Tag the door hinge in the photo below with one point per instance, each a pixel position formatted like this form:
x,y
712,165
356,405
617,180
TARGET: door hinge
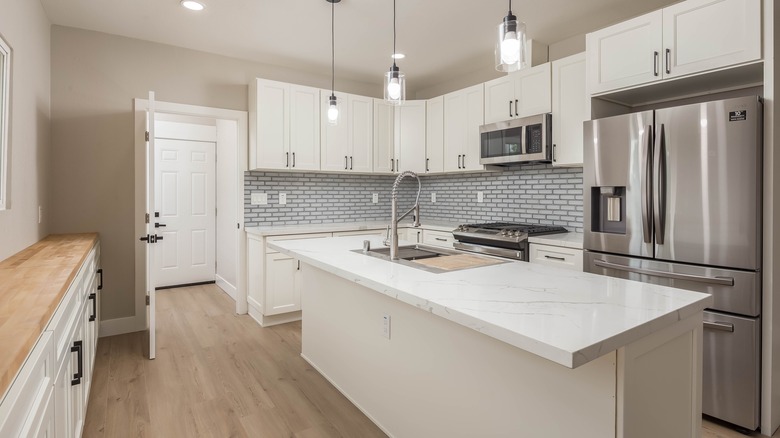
x,y
147,136
147,218
147,300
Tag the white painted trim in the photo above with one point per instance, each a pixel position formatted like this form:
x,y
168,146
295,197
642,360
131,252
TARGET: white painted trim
x,y
5,123
120,326
140,107
227,287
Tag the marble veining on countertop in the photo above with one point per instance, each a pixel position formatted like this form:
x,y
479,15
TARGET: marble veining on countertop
x,y
568,317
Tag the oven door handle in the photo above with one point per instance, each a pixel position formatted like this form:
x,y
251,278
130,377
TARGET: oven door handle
x,y
514,254
721,281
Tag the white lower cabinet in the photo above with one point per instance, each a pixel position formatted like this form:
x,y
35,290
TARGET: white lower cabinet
x,y
568,258
48,397
438,238
285,295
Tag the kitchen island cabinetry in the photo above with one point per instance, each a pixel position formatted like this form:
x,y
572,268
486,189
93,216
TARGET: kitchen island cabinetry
x,y
501,350
49,366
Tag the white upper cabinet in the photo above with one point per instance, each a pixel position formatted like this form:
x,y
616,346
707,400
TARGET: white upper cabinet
x,y
348,145
410,136
463,115
520,94
570,108
434,129
707,34
686,38
626,54
384,137
284,126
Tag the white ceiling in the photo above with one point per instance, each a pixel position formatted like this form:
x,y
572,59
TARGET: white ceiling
x,y
442,39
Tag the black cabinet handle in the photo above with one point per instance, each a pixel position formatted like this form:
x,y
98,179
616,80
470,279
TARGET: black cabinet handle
x,y
287,154
100,283
350,163
510,108
427,162
440,239
464,160
93,297
392,165
553,154
293,159
516,113
78,348
668,61
655,63
346,167
555,258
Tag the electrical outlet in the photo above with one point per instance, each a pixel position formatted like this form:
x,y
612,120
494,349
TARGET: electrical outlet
x,y
282,198
433,197
386,326
40,214
375,198
259,198
480,196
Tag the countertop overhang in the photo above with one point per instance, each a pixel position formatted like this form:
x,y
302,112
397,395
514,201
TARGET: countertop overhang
x,y
568,317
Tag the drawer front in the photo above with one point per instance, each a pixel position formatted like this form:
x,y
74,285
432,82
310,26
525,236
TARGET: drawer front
x,y
66,317
293,237
568,258
26,400
438,238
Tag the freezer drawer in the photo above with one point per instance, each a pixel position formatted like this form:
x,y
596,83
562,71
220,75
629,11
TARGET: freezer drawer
x,y
732,369
734,291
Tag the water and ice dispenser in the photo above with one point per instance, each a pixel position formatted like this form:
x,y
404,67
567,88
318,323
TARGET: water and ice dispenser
x,y
608,210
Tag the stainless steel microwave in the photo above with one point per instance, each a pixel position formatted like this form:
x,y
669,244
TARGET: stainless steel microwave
x,y
516,141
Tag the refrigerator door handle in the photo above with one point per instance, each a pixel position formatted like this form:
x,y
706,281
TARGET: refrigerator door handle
x,y
721,281
659,213
646,188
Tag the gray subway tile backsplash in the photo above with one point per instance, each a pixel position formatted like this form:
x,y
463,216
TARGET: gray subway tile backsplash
x,y
534,194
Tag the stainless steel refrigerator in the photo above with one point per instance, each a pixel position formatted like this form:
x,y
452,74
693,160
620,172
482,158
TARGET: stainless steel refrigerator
x,y
673,197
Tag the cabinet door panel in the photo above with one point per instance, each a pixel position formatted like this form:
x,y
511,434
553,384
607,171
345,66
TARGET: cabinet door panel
x,y
361,117
334,141
532,91
454,130
304,128
434,127
273,124
500,99
707,34
411,136
281,295
570,108
475,117
384,141
624,55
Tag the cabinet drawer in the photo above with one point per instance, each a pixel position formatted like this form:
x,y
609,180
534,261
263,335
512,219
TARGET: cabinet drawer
x,y
22,409
438,238
293,237
569,258
67,316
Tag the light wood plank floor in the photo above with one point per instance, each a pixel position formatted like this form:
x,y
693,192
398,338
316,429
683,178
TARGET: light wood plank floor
x,y
222,375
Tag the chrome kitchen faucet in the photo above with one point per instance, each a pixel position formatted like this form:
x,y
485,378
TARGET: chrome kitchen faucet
x,y
393,228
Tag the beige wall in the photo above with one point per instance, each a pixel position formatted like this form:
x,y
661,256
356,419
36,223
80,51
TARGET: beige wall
x,y
24,25
95,78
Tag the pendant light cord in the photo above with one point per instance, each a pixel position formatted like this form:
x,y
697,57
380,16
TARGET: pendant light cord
x,y
510,7
333,48
394,52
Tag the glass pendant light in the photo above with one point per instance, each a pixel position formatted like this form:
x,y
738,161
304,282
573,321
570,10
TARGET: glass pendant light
x,y
333,106
510,47
395,82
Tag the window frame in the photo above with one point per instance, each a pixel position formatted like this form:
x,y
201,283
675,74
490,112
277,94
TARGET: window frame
x,y
5,110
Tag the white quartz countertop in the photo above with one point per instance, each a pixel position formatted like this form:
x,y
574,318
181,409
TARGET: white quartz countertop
x,y
566,240
568,317
280,230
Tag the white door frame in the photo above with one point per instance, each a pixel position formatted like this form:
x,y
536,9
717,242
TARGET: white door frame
x,y
240,117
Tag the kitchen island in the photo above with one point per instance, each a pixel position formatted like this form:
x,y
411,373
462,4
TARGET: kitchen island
x,y
512,349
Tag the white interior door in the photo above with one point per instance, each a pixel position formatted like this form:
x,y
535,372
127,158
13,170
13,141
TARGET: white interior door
x,y
185,211
150,230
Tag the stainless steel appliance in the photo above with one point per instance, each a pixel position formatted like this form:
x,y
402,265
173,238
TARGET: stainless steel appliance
x,y
516,141
502,239
673,197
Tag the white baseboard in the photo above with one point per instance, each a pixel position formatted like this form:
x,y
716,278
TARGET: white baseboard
x,y
227,287
120,326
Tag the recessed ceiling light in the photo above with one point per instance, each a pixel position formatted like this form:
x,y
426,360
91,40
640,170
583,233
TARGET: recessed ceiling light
x,y
398,56
192,5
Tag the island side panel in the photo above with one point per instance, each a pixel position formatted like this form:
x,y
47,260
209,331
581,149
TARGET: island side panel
x,y
437,378
660,383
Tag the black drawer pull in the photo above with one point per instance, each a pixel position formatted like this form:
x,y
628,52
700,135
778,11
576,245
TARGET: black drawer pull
x,y
78,348
563,259
93,297
100,282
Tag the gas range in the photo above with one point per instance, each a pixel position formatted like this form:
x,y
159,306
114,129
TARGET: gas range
x,y
503,239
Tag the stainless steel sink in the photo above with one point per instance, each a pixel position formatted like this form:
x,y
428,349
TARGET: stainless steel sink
x,y
409,254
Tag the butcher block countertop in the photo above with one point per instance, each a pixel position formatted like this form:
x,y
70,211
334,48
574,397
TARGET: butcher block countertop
x,y
32,284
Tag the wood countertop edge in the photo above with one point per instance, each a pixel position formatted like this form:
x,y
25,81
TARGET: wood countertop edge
x,y
8,375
